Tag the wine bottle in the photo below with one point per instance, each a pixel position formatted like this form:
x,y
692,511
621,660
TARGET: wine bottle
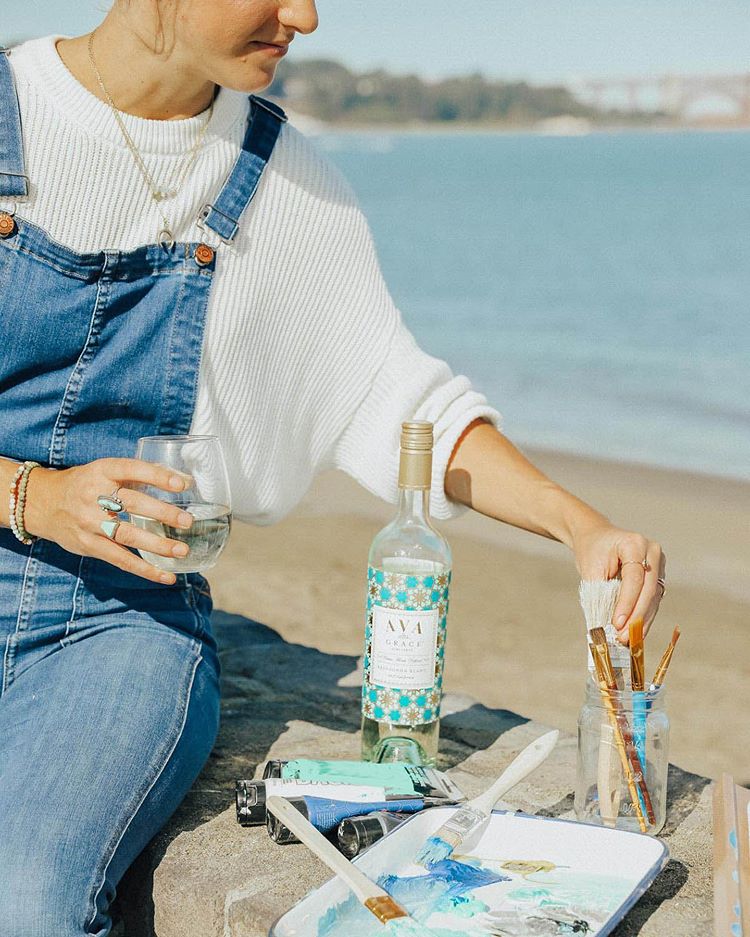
x,y
408,581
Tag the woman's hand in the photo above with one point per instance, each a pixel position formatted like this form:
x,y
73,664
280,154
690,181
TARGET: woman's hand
x,y
603,551
489,474
61,506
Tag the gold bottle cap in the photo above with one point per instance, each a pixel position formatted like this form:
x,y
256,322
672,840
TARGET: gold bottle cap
x,y
415,468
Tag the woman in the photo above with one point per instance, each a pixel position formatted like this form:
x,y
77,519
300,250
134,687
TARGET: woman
x,y
175,258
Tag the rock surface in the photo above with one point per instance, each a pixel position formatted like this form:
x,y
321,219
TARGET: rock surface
x,y
205,876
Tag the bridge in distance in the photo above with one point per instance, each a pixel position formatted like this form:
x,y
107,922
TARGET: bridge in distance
x,y
678,96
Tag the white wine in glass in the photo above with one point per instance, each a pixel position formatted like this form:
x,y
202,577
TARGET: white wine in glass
x,y
207,498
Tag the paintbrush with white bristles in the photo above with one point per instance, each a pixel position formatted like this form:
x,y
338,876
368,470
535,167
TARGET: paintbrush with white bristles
x,y
598,598
395,919
467,824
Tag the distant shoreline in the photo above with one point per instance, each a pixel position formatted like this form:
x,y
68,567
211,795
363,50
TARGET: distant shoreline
x,y
435,129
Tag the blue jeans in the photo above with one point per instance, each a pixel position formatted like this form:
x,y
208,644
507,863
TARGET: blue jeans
x,y
106,719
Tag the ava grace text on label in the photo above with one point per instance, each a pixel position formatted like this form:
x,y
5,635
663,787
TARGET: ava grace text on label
x,y
404,644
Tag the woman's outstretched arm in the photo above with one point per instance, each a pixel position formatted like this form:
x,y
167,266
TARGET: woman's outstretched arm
x,y
487,473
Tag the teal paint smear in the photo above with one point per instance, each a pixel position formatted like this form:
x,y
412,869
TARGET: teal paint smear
x,y
530,894
408,927
461,906
442,889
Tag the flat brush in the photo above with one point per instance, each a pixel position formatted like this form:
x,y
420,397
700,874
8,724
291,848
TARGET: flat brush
x,y
661,670
628,755
467,824
598,598
395,919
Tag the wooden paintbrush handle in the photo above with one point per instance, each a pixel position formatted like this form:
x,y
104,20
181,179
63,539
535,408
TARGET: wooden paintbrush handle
x,y
626,766
359,883
639,770
522,765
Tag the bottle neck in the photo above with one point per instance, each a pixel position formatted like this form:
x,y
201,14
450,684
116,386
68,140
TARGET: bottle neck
x,y
414,505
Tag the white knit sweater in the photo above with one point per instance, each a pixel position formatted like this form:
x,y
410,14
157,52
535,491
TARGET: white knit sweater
x,y
306,364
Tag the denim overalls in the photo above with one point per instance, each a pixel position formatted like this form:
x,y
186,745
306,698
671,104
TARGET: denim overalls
x,y
109,698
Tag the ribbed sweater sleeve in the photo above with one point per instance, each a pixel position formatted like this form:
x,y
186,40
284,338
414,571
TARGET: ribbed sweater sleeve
x,y
409,385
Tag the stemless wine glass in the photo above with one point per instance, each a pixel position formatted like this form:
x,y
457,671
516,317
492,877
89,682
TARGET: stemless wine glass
x,y
207,498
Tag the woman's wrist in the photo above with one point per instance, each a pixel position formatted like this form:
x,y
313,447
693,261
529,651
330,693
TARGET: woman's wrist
x,y
39,501
576,520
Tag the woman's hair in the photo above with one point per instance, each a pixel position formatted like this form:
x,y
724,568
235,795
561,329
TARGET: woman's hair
x,y
160,40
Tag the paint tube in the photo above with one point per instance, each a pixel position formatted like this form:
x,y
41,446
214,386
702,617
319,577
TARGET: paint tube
x,y
399,780
355,834
250,796
326,815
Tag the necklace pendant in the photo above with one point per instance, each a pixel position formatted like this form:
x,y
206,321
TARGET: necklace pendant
x,y
166,239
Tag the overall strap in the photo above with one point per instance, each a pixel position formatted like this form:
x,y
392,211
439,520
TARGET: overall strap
x,y
263,129
13,180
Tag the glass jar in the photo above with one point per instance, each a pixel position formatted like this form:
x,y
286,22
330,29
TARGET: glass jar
x,y
625,727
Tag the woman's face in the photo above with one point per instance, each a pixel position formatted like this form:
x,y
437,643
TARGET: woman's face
x,y
235,43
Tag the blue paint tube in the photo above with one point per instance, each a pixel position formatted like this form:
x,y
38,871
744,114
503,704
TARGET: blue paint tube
x,y
326,814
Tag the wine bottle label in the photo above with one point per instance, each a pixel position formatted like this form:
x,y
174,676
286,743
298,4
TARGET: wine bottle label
x,y
404,646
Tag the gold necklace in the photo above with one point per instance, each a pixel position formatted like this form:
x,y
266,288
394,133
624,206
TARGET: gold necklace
x,y
158,195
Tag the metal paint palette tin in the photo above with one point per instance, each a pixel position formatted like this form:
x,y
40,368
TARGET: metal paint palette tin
x,y
526,875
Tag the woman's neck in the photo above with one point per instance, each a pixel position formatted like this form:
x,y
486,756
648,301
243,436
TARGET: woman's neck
x,y
140,81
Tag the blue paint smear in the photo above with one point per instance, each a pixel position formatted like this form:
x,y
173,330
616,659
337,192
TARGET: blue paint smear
x,y
442,888
433,851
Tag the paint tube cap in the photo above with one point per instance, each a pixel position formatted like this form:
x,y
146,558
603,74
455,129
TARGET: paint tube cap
x,y
250,798
276,829
356,834
273,768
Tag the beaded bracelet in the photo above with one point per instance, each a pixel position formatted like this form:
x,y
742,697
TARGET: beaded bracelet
x,y
18,502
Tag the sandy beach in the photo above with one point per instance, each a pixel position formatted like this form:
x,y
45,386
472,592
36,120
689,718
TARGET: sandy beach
x,y
516,633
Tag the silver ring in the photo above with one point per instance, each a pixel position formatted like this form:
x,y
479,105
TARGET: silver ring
x,y
110,504
110,528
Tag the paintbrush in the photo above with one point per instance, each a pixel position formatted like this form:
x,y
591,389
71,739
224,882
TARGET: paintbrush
x,y
392,916
661,670
638,686
608,777
467,824
628,755
598,598
603,681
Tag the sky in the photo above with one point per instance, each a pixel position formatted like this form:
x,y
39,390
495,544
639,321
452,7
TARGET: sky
x,y
536,40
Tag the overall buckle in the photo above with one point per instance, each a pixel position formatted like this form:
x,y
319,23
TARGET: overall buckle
x,y
203,215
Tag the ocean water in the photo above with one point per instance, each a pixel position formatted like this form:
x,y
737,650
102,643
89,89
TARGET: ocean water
x,y
595,288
